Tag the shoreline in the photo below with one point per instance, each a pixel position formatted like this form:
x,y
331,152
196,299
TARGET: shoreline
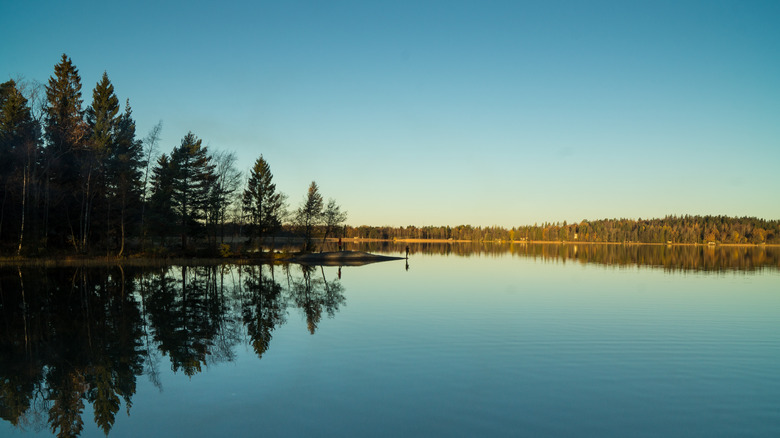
x,y
550,242
287,257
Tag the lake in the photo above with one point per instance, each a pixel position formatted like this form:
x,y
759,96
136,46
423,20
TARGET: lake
x,y
461,340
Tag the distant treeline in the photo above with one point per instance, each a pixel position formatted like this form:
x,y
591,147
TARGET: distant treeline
x,y
668,257
671,229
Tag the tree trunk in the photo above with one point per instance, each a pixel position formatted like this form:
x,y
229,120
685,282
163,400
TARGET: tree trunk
x,y
46,206
24,198
108,225
85,213
122,226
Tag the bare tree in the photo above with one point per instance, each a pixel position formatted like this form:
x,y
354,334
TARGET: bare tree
x,y
225,188
150,151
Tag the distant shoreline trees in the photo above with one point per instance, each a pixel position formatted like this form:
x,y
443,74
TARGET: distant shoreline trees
x,y
668,230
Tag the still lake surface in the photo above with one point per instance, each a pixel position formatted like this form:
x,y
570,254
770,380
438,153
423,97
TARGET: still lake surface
x,y
550,340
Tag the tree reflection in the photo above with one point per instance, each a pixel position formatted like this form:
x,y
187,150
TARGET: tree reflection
x,y
187,312
667,257
78,338
73,337
263,306
313,295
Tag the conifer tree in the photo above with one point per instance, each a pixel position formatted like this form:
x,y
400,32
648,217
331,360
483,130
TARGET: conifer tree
x,y
124,173
96,186
193,174
102,116
66,133
19,149
309,214
263,205
162,217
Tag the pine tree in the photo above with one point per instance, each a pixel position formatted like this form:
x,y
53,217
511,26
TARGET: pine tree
x,y
262,203
19,149
96,186
124,172
193,178
309,214
162,217
65,128
66,133
102,116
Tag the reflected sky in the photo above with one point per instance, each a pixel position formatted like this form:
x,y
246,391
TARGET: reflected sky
x,y
463,346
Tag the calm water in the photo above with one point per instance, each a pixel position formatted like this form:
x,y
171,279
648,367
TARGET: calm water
x,y
462,343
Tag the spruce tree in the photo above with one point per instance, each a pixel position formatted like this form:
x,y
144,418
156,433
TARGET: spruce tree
x,y
124,165
309,214
193,178
162,217
96,185
263,205
102,116
19,149
66,133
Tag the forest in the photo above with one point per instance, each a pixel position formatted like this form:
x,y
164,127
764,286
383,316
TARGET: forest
x,y
669,230
80,180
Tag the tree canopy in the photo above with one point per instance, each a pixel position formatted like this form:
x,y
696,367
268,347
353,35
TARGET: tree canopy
x,y
263,204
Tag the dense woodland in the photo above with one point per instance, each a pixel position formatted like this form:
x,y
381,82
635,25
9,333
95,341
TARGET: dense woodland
x,y
671,229
80,180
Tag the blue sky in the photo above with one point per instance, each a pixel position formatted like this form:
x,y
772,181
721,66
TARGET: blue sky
x,y
447,113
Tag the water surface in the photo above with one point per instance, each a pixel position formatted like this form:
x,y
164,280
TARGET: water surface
x,y
489,344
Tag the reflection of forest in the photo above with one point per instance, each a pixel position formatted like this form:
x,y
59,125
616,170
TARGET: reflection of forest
x,y
73,336
668,257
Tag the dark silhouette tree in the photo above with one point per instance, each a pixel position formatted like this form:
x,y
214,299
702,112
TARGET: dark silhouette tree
x,y
101,119
226,182
332,218
263,205
193,177
19,150
66,134
124,174
162,217
309,214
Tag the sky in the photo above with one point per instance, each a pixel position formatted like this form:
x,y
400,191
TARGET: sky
x,y
421,112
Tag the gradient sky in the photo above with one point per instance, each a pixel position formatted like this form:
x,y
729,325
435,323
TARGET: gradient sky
x,y
447,113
